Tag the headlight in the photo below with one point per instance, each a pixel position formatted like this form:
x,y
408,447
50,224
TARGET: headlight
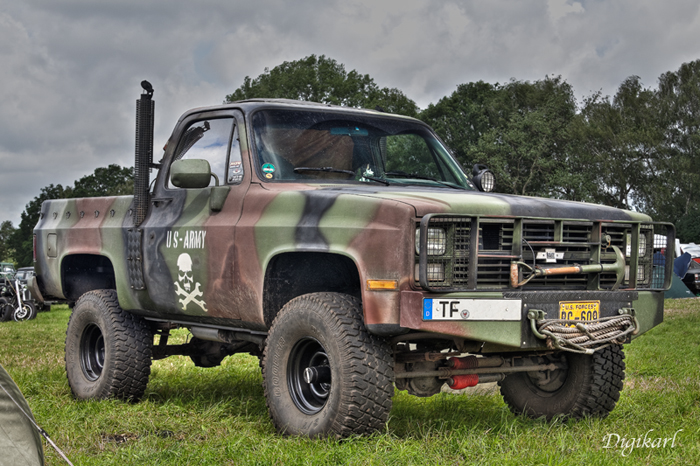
x,y
436,272
640,273
642,244
483,178
437,241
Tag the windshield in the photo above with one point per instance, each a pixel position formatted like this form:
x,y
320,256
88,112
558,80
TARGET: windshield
x,y
297,145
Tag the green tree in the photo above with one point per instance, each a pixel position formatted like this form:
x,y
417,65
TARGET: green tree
x,y
521,130
677,193
622,138
110,181
324,80
6,251
463,118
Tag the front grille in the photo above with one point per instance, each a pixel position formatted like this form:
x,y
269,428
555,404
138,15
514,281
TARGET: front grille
x,y
538,243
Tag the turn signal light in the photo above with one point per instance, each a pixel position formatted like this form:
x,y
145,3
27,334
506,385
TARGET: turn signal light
x,y
382,285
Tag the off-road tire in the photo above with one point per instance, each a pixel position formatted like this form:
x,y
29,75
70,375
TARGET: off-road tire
x,y
326,330
591,387
27,312
108,350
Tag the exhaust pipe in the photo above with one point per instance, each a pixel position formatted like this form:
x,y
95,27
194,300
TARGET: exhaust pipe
x,y
145,113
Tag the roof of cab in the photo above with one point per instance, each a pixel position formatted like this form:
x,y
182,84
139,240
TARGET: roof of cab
x,y
250,105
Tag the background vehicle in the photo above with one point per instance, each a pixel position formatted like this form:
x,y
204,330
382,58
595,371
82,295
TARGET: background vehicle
x,y
7,273
13,305
23,274
350,252
692,277
692,249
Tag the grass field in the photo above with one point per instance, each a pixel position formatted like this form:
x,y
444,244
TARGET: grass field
x,y
218,416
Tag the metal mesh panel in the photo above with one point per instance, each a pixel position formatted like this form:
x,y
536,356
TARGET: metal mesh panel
x,y
134,261
662,247
448,252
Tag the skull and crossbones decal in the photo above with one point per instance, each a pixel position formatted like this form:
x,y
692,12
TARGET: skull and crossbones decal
x,y
184,285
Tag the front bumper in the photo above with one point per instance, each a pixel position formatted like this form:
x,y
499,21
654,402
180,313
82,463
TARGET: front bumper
x,y
515,333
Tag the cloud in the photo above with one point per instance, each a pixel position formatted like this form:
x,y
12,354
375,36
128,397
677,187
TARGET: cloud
x,y
71,68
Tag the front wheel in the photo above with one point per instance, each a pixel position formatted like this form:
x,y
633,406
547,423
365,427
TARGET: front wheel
x,y
324,374
108,350
590,386
26,312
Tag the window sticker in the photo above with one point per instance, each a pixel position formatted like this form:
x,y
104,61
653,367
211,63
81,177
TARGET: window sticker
x,y
235,172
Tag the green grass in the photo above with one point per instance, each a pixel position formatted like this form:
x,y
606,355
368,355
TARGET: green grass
x,y
218,416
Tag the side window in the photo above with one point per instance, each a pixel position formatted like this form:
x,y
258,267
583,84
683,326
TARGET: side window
x,y
209,140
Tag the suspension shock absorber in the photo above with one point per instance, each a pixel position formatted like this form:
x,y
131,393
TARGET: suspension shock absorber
x,y
458,382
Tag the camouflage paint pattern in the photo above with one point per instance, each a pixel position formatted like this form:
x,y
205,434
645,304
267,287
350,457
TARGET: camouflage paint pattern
x,y
202,266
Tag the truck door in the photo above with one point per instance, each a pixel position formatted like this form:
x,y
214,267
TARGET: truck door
x,y
188,237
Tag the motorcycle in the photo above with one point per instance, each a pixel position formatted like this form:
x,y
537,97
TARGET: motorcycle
x,y
15,302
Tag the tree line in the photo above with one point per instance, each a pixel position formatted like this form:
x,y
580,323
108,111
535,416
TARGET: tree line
x,y
635,150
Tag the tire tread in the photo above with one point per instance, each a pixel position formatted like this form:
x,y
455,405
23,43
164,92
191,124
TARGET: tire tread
x,y
603,375
127,377
366,395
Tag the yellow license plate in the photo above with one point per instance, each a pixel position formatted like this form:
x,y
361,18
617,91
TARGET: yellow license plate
x,y
579,310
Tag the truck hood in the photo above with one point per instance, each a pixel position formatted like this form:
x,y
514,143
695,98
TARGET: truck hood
x,y
444,200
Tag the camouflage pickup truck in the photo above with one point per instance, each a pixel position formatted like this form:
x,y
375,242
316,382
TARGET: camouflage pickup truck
x,y
352,254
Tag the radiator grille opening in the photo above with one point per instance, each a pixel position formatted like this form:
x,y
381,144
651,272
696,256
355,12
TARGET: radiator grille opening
x,y
542,243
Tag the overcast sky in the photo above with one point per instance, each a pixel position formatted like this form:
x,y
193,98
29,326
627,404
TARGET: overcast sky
x,y
70,69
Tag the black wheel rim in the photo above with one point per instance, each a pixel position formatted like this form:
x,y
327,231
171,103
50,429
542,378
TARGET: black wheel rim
x,y
92,352
549,381
309,397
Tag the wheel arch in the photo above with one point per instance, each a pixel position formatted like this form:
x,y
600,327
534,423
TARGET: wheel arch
x,y
292,274
81,273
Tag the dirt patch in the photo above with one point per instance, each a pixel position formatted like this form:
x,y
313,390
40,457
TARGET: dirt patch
x,y
682,307
649,384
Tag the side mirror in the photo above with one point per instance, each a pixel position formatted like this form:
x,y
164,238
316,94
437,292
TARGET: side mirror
x,y
483,178
192,173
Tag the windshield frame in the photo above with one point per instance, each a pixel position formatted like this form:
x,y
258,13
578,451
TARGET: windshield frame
x,y
437,148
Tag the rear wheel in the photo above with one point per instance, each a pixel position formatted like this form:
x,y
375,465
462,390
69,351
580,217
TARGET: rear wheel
x,y
324,374
108,350
6,310
590,386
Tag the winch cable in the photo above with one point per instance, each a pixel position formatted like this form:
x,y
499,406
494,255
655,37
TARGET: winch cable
x,y
41,431
584,336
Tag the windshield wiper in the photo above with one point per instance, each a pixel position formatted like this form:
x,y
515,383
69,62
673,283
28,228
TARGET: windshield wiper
x,y
416,176
338,170
378,180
